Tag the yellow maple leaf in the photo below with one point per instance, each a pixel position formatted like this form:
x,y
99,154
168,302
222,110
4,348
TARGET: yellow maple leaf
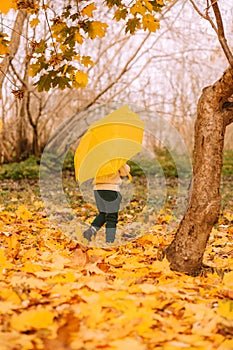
x,y
81,79
32,319
160,2
6,5
228,215
4,263
63,278
161,266
148,288
34,22
32,282
23,213
57,29
3,259
4,49
228,279
13,246
9,295
138,7
0,126
31,267
7,306
87,11
97,29
120,14
150,23
128,343
226,345
225,309
148,5
86,61
12,340
78,37
29,254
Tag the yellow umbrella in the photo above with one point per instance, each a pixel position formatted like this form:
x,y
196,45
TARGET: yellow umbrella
x,y
108,144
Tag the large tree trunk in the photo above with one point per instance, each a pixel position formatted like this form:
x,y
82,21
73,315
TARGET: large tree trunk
x,y
185,253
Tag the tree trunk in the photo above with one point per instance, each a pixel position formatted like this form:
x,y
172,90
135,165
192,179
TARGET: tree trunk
x,y
14,45
185,253
5,64
21,144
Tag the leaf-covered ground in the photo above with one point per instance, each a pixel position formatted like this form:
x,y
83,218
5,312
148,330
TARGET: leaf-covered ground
x,y
56,293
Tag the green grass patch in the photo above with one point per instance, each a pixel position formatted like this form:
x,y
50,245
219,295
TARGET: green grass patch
x,y
162,162
27,169
227,169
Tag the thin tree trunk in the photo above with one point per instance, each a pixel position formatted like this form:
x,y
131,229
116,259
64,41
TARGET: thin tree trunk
x,y
14,45
186,251
21,147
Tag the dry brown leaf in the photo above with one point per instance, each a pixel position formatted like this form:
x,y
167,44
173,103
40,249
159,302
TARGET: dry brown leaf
x,y
65,333
79,258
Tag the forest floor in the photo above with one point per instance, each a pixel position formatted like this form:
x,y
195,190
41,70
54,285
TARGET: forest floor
x,y
57,292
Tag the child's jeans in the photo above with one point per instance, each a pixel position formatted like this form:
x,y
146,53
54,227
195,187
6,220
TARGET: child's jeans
x,y
108,204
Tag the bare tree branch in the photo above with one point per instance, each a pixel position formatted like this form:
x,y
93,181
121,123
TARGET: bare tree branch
x,y
197,9
218,27
221,35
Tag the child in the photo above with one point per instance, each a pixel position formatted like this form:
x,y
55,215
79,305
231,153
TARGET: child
x,y
108,200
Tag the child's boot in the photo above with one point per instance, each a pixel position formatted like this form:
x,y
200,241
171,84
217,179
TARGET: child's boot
x,y
91,231
110,234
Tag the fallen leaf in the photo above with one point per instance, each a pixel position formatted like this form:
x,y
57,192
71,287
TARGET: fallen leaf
x,y
225,309
32,319
65,333
128,343
79,258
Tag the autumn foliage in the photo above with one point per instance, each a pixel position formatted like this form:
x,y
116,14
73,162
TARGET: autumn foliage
x,y
58,293
56,61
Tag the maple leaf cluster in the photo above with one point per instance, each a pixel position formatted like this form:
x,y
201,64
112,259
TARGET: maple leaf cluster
x,y
56,61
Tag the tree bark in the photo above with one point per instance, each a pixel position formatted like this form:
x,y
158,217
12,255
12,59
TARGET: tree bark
x,y
14,45
186,251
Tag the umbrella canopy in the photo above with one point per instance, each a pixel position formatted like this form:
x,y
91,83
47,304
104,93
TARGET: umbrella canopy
x,y
108,144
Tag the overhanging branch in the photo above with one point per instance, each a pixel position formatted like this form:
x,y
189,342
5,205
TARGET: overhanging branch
x,y
221,34
218,27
